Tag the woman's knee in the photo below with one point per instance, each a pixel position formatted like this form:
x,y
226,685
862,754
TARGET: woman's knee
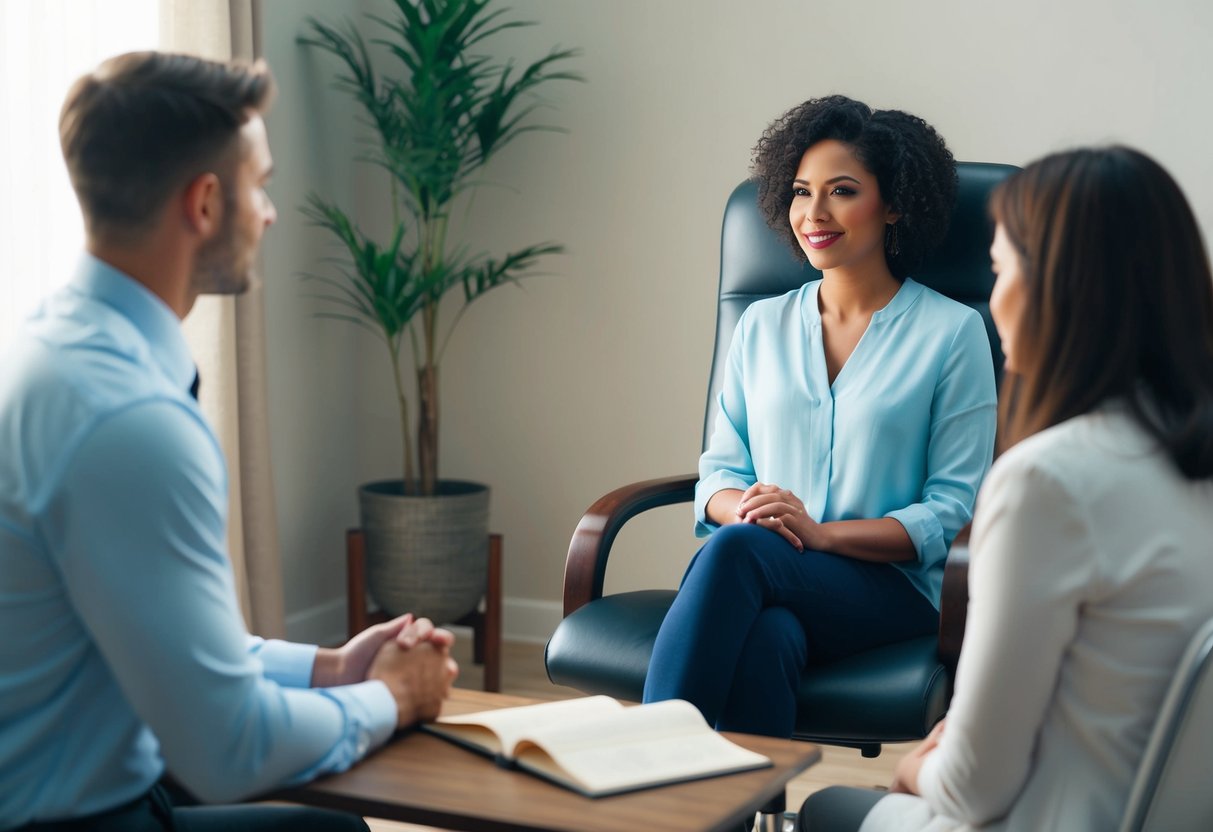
x,y
735,549
742,534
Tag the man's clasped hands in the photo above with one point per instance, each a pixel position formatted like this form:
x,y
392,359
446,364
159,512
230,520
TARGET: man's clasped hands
x,y
409,655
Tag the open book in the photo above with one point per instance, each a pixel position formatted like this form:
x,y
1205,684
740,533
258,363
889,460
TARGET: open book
x,y
596,746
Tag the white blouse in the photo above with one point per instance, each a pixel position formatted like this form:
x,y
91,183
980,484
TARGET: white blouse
x,y
1091,568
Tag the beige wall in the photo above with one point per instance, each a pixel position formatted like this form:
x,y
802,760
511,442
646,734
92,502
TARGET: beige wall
x,y
313,383
594,376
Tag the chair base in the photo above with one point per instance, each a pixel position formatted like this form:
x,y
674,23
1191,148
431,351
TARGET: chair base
x,y
485,623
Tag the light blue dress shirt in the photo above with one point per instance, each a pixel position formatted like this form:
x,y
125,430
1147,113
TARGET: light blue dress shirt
x,y
122,646
905,431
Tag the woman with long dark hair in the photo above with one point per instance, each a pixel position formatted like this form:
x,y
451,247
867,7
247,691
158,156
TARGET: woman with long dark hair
x,y
1090,550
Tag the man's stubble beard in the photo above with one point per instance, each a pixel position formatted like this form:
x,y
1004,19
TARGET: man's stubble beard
x,y
221,267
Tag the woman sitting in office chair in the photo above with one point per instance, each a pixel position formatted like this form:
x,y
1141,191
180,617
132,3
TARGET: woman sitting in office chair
x,y
1090,549
856,422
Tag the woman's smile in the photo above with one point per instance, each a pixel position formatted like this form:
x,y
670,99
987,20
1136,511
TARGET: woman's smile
x,y
822,239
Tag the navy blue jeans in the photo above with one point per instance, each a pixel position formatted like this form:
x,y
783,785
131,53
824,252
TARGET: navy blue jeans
x,y
752,612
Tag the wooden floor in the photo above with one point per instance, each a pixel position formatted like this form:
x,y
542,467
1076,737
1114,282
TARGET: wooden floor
x,y
522,674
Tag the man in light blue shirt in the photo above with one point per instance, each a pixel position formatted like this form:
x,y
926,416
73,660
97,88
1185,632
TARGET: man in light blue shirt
x,y
124,648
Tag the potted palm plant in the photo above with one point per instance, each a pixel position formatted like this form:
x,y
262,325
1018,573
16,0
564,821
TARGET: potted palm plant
x,y
438,112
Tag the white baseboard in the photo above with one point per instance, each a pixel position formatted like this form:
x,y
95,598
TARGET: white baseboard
x,y
524,619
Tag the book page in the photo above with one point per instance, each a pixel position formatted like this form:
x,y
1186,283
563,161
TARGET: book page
x,y
500,730
649,745
671,718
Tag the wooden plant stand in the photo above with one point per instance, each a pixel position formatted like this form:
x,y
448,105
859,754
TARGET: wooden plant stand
x,y
485,624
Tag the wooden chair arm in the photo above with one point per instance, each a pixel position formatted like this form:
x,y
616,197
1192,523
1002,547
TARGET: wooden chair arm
x,y
954,601
585,568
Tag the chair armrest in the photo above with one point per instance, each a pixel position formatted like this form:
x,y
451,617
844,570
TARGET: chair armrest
x,y
585,568
954,601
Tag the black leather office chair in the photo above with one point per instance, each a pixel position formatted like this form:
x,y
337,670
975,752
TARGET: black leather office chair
x,y
894,693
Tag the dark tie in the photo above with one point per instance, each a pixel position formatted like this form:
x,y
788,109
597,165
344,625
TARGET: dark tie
x,y
194,385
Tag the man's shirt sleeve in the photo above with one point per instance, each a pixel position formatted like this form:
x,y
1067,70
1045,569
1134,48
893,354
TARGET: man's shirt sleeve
x,y
285,662
136,522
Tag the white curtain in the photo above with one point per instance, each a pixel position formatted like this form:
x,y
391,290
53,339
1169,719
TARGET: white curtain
x,y
227,336
44,46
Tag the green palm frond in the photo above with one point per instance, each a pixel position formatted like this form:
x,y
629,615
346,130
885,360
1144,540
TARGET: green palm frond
x,y
438,111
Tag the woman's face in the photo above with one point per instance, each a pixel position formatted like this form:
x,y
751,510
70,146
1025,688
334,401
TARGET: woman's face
x,y
1009,297
837,211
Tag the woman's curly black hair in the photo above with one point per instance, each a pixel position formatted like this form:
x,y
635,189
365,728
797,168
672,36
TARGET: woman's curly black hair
x,y
914,170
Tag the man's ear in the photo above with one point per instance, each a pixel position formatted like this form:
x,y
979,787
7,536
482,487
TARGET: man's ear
x,y
202,205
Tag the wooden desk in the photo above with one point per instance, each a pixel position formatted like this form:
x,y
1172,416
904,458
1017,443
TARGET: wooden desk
x,y
419,778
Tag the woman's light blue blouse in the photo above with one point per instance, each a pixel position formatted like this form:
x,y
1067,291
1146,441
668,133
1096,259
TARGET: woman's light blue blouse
x,y
906,430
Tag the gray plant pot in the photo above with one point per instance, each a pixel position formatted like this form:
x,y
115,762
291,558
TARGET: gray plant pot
x,y
426,555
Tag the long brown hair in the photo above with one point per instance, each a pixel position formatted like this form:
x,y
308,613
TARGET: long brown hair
x,y
1119,300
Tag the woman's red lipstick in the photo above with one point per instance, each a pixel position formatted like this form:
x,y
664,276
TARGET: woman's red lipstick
x,y
822,239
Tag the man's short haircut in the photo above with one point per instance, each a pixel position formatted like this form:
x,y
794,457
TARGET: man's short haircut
x,y
143,124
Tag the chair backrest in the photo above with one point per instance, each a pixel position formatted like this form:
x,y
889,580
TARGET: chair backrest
x,y
1172,791
757,263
